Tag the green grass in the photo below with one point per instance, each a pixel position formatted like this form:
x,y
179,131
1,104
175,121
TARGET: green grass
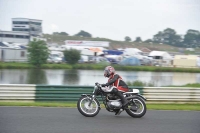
x,y
15,65
186,106
189,85
39,104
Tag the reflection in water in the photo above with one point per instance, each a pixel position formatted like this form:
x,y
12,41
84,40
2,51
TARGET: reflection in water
x,y
71,77
89,77
36,76
13,76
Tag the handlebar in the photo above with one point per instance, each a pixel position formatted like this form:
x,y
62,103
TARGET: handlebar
x,y
97,84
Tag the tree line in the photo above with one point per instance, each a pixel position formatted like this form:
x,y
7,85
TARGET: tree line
x,y
168,36
82,33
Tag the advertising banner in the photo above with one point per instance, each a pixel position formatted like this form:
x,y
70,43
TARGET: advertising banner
x,y
86,43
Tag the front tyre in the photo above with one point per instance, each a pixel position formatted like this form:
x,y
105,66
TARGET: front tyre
x,y
85,109
139,108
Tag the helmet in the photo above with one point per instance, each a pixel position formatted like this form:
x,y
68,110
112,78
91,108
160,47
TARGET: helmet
x,y
109,70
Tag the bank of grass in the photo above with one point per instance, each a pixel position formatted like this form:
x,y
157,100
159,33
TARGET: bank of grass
x,y
189,85
186,106
140,84
15,65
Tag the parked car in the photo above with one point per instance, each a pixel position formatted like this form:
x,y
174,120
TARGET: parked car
x,y
100,60
113,61
130,61
146,61
54,60
84,59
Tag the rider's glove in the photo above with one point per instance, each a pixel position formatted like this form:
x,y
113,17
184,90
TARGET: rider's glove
x,y
103,85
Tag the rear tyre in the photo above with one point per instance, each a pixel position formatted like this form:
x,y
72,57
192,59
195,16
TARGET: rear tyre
x,y
139,108
85,109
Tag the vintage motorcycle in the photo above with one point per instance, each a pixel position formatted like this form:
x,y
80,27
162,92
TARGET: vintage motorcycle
x,y
89,106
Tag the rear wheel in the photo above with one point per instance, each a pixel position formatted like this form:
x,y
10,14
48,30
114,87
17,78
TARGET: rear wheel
x,y
137,108
85,109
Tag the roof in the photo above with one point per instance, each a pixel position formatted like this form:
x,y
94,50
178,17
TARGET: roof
x,y
3,45
15,32
157,53
132,49
144,49
28,19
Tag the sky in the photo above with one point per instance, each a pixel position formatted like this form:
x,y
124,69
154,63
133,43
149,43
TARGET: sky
x,y
112,19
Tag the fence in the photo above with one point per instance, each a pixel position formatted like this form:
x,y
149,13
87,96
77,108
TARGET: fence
x,y
25,92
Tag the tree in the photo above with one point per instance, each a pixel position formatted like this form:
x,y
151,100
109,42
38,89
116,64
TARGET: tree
x,y
127,39
192,38
37,52
61,33
83,34
138,39
168,36
72,56
55,33
64,33
148,41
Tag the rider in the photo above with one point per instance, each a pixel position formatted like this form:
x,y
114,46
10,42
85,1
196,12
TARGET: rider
x,y
116,80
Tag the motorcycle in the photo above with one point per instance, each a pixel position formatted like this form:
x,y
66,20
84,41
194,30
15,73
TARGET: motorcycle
x,y
89,106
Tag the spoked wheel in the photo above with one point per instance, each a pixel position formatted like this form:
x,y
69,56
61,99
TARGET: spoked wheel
x,y
137,108
85,109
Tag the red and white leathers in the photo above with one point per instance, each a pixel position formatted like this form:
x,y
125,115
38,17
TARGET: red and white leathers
x,y
116,80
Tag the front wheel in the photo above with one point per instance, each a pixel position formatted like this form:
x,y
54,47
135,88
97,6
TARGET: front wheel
x,y
85,109
137,108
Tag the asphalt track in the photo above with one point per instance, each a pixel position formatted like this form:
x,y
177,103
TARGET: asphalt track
x,y
69,120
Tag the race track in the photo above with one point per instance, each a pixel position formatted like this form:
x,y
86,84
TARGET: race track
x,y
69,120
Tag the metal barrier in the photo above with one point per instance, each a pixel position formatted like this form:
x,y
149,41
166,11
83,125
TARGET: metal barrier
x,y
17,92
24,92
172,94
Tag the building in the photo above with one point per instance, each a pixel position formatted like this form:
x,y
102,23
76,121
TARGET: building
x,y
31,26
186,61
23,31
13,55
86,43
14,37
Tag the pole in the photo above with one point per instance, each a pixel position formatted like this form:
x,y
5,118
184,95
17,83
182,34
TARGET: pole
x,y
29,31
1,36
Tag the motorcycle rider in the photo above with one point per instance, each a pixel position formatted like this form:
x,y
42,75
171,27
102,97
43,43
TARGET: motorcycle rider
x,y
115,79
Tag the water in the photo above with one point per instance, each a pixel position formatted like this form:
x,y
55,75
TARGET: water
x,y
89,77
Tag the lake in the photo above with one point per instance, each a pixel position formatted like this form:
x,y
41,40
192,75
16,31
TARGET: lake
x,y
89,77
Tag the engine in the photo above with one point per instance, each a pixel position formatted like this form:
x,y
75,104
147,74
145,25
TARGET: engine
x,y
113,101
114,104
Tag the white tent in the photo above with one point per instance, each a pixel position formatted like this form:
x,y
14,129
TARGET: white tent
x,y
161,54
132,51
161,57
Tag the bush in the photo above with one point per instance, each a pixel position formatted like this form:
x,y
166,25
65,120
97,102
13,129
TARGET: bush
x,y
140,83
37,52
72,56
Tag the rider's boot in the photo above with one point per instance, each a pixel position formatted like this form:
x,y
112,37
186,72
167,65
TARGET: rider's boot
x,y
118,112
121,96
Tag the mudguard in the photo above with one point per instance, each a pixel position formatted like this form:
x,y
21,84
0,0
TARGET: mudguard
x,y
138,95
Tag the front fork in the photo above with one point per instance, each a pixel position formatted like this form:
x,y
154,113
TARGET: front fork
x,y
91,99
95,91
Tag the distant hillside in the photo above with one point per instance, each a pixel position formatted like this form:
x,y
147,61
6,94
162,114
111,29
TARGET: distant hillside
x,y
113,44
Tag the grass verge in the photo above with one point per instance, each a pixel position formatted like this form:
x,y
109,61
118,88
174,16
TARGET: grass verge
x,y
17,65
189,106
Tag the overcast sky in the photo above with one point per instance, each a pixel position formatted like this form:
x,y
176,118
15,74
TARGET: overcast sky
x,y
113,19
